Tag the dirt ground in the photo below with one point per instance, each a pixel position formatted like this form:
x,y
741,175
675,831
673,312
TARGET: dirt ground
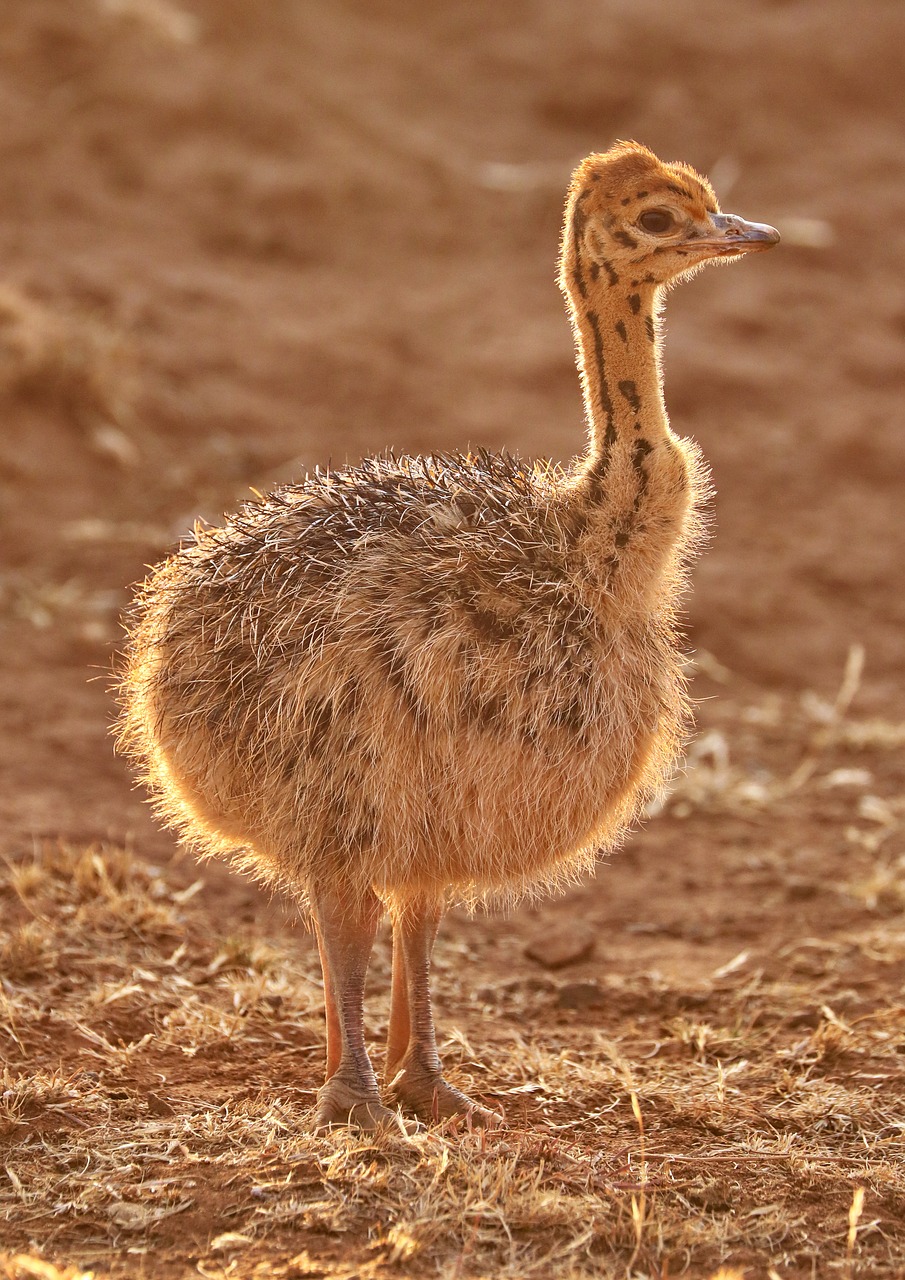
x,y
239,240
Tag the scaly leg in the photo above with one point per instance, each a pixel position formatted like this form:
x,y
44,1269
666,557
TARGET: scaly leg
x,y
345,934
334,1033
399,1032
413,1071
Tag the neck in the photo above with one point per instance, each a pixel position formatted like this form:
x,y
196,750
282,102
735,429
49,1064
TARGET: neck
x,y
619,361
633,491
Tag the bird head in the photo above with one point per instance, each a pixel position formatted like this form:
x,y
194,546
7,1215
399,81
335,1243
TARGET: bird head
x,y
629,212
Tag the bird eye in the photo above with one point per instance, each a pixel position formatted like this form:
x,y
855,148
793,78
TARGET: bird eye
x,y
656,221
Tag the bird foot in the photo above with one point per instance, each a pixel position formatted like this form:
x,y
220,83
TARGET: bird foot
x,y
339,1105
433,1100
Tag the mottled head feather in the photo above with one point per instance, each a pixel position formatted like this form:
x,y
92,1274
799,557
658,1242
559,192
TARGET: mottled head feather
x,y
609,177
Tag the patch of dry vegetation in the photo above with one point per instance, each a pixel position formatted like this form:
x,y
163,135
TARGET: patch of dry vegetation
x,y
70,358
157,1073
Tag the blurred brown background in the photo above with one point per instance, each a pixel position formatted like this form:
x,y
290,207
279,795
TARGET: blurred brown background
x,y
239,240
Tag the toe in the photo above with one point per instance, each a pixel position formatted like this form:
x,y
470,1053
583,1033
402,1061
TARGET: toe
x,y
433,1100
366,1117
338,1106
453,1104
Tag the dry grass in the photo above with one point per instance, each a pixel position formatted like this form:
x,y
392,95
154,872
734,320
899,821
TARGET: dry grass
x,y
157,1072
71,358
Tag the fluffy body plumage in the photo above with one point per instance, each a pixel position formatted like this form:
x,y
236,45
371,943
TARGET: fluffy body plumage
x,y
425,676
414,675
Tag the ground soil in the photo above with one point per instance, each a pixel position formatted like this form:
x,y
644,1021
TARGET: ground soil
x,y
240,240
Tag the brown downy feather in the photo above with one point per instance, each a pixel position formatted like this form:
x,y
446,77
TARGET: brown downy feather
x,y
446,673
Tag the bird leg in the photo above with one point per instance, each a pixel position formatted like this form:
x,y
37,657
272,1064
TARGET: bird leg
x,y
334,1031
346,927
413,1072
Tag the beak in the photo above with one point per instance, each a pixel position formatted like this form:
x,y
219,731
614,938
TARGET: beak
x,y
733,235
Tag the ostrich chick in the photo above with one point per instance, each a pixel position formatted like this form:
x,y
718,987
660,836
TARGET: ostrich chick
x,y
444,676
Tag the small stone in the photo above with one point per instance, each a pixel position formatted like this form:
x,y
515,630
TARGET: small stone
x,y
158,1106
579,995
559,947
800,889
